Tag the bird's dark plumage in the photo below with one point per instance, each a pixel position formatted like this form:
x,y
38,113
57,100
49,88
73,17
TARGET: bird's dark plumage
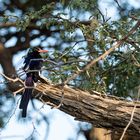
x,y
31,77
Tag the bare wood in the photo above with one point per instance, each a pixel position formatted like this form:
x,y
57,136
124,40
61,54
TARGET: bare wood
x,y
100,110
131,119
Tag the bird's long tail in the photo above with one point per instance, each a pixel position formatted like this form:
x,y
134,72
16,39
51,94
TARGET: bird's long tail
x,y
26,95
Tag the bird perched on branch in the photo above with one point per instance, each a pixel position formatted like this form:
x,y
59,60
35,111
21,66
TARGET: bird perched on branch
x,y
33,63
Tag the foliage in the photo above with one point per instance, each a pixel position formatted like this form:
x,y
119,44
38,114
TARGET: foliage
x,y
99,35
76,40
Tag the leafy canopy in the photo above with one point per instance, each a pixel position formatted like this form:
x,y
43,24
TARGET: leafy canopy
x,y
80,32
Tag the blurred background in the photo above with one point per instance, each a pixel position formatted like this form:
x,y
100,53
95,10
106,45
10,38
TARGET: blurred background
x,y
74,32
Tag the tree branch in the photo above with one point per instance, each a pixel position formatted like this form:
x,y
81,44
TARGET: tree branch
x,y
93,62
102,111
131,119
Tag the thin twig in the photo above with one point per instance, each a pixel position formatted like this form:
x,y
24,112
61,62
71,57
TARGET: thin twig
x,y
33,131
14,110
102,15
11,79
14,80
119,6
132,115
93,62
71,48
136,63
17,91
61,100
131,120
49,103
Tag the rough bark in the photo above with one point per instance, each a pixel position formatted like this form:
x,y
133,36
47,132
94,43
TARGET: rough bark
x,y
6,60
100,110
104,134
6,57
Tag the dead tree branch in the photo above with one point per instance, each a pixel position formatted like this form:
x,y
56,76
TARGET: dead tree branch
x,y
131,119
102,111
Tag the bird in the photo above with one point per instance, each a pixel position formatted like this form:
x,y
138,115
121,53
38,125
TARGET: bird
x,y
32,64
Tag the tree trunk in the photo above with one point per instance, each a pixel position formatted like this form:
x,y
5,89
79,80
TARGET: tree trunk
x,y
104,134
102,111
7,66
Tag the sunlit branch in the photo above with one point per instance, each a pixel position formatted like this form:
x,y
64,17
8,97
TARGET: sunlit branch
x,y
18,91
101,57
131,120
11,79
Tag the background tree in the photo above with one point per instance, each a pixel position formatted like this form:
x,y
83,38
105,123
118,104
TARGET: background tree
x,y
75,32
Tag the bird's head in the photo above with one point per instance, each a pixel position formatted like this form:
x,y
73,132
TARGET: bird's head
x,y
37,50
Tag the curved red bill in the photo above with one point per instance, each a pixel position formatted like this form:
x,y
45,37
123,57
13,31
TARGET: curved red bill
x,y
42,51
